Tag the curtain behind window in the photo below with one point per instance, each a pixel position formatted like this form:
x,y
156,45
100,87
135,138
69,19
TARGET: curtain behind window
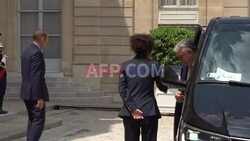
x,y
168,2
188,2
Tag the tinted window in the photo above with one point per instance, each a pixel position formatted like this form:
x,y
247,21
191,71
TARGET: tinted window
x,y
228,54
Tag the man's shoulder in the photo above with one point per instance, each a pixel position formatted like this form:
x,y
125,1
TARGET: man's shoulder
x,y
34,48
29,49
34,51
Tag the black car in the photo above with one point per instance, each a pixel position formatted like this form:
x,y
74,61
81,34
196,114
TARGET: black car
x,y
217,105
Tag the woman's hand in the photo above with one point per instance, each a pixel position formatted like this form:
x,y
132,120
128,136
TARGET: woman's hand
x,y
137,114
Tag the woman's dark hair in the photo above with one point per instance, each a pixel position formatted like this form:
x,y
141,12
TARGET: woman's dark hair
x,y
142,44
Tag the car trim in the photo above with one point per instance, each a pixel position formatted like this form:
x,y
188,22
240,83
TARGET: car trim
x,y
215,134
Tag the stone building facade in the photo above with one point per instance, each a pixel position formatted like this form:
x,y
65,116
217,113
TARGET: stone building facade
x,y
81,32
223,8
200,11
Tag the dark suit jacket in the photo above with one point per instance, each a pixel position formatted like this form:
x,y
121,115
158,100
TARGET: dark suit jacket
x,y
33,70
3,75
138,92
178,106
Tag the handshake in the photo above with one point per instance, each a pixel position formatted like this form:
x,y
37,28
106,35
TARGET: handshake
x,y
3,61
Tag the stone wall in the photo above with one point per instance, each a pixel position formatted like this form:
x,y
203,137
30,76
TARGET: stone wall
x,y
93,32
8,28
101,31
222,8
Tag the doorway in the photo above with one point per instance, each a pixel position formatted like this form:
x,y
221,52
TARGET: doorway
x,y
45,15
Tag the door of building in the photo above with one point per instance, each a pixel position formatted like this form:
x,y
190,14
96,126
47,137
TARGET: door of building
x,y
45,15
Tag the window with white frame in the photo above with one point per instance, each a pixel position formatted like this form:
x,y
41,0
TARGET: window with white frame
x,y
188,2
168,2
178,3
41,14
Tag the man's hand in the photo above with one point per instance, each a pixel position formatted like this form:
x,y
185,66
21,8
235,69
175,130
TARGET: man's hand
x,y
137,114
40,104
179,96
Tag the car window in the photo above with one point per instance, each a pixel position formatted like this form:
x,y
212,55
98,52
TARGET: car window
x,y
228,54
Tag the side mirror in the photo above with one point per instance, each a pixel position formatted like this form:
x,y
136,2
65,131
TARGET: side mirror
x,y
172,77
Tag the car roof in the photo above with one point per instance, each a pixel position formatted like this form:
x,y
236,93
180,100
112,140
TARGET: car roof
x,y
232,20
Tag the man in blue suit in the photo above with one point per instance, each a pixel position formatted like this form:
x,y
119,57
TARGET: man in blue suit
x,y
34,91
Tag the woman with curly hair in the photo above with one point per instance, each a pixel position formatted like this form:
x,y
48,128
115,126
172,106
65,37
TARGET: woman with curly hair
x,y
140,111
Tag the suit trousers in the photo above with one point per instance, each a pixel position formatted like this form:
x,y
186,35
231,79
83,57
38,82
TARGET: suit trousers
x,y
2,87
147,126
177,116
1,102
36,121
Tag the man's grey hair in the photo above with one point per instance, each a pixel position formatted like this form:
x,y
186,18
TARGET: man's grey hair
x,y
187,44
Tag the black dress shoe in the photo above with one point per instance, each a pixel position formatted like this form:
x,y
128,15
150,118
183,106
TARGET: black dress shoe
x,y
3,112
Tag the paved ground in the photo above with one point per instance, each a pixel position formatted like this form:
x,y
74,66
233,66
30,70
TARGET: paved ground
x,y
96,125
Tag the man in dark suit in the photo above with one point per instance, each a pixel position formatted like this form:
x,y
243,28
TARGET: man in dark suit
x,y
34,91
186,52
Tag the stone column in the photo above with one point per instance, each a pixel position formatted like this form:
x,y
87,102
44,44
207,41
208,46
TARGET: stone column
x,y
8,21
67,37
3,19
145,15
236,8
209,9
